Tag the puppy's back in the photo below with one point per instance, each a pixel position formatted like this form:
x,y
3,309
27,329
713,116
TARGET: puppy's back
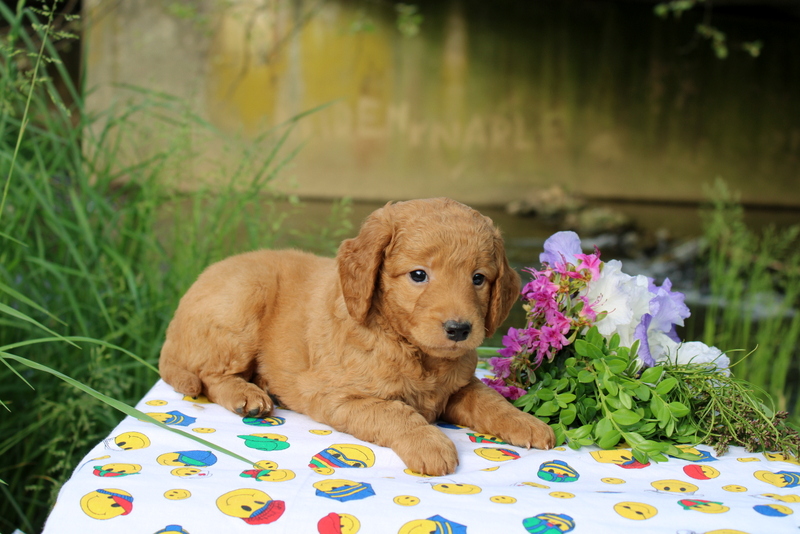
x,y
220,321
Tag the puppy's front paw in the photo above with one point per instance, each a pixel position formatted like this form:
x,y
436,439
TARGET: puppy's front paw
x,y
426,450
251,401
524,430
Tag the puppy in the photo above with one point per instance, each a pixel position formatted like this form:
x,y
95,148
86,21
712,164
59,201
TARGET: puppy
x,y
378,342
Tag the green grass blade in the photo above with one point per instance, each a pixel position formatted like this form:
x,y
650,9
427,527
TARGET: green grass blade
x,y
121,406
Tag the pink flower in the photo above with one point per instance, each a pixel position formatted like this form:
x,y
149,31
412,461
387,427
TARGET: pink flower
x,y
509,392
591,262
501,366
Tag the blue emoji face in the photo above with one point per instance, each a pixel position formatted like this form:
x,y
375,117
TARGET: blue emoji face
x,y
557,471
548,524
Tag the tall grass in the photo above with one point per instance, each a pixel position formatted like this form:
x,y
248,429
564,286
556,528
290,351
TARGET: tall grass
x,y
754,282
97,245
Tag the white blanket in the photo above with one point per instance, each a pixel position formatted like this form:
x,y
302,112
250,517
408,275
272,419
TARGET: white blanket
x,y
305,477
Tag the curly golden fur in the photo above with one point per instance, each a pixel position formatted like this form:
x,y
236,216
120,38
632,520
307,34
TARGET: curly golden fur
x,y
378,342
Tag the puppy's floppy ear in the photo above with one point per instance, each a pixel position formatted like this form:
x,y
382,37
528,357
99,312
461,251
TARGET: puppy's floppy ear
x,y
359,261
505,289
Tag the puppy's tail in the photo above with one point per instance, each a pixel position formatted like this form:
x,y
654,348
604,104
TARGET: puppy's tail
x,y
180,378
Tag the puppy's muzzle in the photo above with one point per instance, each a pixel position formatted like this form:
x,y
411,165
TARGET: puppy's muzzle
x,y
457,331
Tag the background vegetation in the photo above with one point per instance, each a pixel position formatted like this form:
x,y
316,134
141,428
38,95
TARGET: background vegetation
x,y
102,254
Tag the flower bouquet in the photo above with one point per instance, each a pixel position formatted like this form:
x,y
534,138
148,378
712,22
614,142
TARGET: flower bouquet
x,y
599,359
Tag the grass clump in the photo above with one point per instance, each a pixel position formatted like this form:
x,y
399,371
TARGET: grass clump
x,y
753,279
97,247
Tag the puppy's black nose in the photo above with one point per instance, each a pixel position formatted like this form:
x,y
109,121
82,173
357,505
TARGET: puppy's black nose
x,y
457,331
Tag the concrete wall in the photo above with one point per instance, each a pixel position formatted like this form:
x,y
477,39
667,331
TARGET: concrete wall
x,y
489,102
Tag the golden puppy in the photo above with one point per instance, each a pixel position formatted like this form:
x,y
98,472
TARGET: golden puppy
x,y
378,342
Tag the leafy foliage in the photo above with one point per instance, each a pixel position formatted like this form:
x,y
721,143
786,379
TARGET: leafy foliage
x,y
593,394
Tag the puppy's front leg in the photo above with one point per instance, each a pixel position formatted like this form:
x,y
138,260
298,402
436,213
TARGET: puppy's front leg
x,y
391,423
484,410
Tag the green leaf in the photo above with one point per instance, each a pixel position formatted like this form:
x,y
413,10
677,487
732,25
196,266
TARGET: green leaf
x,y
603,427
609,440
652,375
580,432
547,408
617,365
545,394
643,392
585,376
678,409
633,438
565,397
585,348
625,400
613,343
666,385
626,417
567,415
609,382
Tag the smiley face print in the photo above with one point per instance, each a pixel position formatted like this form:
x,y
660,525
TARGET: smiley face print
x,y
707,507
457,489
674,486
497,454
127,441
638,511
107,503
340,455
334,523
116,470
253,506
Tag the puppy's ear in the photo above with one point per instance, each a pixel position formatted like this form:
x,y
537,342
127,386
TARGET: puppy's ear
x,y
505,290
359,261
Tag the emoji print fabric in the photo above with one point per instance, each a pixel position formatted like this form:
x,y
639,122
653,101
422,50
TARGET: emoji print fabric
x,y
295,475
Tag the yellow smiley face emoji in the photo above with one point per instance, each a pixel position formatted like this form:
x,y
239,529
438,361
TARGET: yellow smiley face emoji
x,y
535,485
200,399
457,489
320,432
497,454
177,494
735,488
778,457
674,486
156,403
782,498
748,459
783,479
253,505
503,499
189,472
107,503
406,500
637,511
561,495
612,480
203,430
128,441
700,471
415,474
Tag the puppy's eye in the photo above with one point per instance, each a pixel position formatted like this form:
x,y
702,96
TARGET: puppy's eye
x,y
418,276
478,279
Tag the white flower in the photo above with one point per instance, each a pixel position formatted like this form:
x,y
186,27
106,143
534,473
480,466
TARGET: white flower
x,y
691,352
625,298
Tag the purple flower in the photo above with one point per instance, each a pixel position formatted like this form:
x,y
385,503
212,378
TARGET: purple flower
x,y
501,366
515,342
561,248
640,333
667,310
